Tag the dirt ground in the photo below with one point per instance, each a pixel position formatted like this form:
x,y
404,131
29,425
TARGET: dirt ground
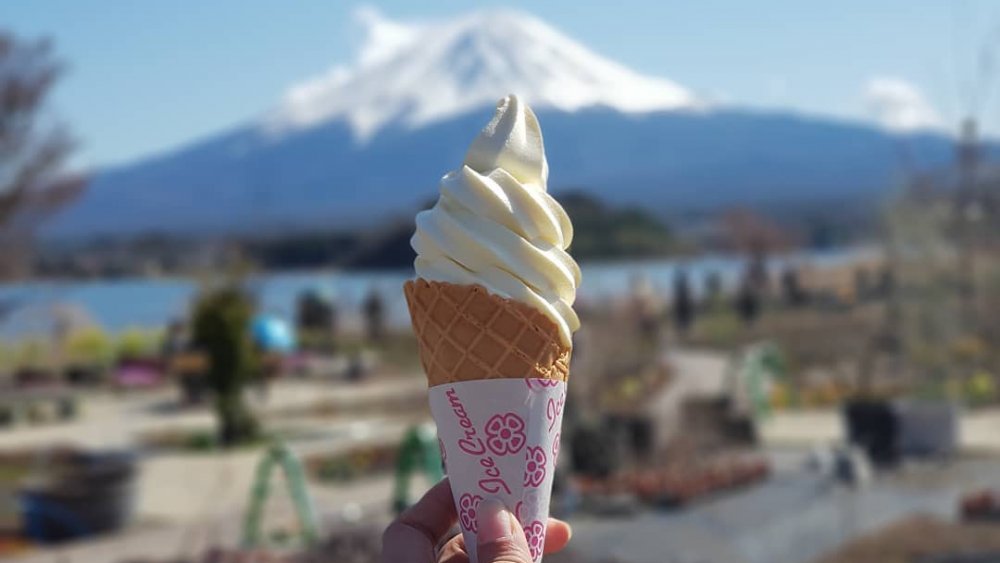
x,y
921,538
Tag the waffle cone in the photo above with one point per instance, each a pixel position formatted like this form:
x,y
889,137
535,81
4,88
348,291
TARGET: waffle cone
x,y
467,333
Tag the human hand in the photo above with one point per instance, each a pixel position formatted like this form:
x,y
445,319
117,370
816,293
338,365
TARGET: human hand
x,y
414,536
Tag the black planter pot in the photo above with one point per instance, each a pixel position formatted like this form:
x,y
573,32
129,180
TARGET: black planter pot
x,y
594,451
928,429
93,494
873,425
84,375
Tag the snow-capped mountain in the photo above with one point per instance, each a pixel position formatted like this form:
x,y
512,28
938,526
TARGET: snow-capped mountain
x,y
422,73
372,138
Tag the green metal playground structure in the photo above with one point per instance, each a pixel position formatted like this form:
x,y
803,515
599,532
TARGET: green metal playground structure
x,y
418,452
278,455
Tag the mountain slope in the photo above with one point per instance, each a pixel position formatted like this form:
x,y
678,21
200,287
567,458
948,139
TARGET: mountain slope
x,y
362,142
669,162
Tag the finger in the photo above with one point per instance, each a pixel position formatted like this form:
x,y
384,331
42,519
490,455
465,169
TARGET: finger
x,y
500,537
415,533
454,551
557,535
434,514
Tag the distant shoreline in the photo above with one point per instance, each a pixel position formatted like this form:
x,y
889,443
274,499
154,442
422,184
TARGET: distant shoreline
x,y
867,248
121,303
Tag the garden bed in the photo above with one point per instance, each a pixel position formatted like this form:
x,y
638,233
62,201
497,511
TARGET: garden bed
x,y
359,461
196,441
678,484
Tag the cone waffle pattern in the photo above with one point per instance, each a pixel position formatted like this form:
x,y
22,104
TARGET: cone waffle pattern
x,y
467,333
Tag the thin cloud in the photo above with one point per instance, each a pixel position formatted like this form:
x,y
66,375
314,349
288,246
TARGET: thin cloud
x,y
304,103
898,105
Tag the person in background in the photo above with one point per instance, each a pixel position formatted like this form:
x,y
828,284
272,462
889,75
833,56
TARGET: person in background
x,y
791,287
374,311
713,289
683,306
748,303
316,319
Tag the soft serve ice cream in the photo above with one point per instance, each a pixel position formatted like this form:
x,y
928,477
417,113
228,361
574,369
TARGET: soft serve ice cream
x,y
495,224
492,313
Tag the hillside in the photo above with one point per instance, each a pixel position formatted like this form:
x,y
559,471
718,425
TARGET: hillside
x,y
356,145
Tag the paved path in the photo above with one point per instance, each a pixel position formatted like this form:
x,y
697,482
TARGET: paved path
x,y
188,501
185,486
149,540
116,420
979,430
793,518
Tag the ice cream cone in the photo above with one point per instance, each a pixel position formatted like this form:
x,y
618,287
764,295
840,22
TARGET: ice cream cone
x,y
467,333
492,311
497,371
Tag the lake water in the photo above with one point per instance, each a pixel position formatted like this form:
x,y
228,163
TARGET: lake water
x,y
119,304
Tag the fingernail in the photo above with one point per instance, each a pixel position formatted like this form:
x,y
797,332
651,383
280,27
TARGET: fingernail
x,y
494,522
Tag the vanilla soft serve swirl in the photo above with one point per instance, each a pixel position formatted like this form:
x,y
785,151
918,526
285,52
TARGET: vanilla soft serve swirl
x,y
495,225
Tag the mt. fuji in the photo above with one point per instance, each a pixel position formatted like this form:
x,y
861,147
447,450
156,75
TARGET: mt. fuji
x,y
361,142
420,74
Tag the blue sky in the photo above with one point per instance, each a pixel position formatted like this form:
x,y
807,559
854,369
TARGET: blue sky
x,y
148,76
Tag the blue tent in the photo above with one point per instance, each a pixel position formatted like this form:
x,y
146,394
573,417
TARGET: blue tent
x,y
273,334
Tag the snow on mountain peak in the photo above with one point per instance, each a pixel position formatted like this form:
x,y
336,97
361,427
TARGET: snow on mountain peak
x,y
417,73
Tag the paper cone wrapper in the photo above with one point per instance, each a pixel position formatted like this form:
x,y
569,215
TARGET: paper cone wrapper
x,y
500,440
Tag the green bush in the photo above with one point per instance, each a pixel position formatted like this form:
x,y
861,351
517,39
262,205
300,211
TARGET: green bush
x,y
8,357
200,441
221,329
137,342
90,346
981,389
605,232
32,354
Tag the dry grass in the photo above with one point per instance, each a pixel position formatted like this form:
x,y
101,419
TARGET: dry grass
x,y
918,537
809,336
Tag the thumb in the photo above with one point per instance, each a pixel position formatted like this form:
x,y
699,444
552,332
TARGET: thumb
x,y
500,538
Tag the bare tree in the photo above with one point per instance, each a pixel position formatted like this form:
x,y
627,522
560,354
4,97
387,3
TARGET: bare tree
x,y
751,233
756,237
33,148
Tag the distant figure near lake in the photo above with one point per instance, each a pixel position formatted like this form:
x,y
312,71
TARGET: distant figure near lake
x,y
374,310
683,306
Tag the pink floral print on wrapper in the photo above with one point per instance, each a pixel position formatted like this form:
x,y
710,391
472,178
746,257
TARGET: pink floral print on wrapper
x,y
505,433
538,384
534,467
553,409
467,506
535,532
555,449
